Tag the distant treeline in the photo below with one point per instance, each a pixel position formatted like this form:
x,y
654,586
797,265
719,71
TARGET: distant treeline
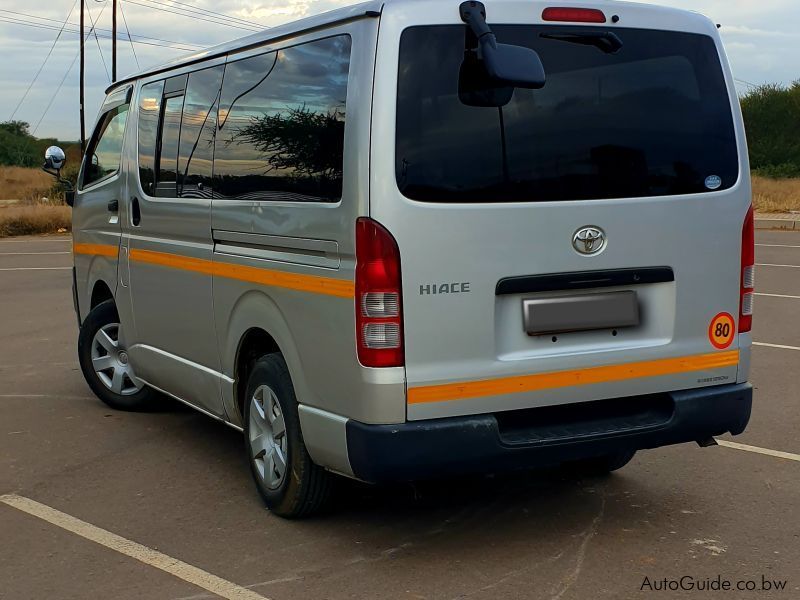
x,y
19,148
771,116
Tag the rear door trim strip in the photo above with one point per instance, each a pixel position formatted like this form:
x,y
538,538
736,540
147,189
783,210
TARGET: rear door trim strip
x,y
582,280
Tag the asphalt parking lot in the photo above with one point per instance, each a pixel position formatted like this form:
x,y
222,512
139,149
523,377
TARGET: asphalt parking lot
x,y
81,483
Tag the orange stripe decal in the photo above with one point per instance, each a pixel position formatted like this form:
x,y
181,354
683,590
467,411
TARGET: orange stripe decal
x,y
293,281
577,377
96,249
174,261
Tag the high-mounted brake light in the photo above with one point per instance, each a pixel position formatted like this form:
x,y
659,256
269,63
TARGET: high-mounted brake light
x,y
574,15
379,313
748,285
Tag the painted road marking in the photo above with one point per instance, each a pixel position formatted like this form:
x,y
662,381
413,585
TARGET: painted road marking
x,y
757,450
771,265
779,296
61,241
779,346
776,246
30,253
148,556
36,269
60,397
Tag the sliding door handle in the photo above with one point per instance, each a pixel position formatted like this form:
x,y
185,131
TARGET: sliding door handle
x,y
136,214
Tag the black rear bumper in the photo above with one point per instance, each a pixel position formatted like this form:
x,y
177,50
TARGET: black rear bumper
x,y
544,436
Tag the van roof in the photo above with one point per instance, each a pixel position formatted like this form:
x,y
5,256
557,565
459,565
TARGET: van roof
x,y
668,17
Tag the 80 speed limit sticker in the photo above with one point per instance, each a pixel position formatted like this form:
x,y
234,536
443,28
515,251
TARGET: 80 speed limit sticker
x,y
721,331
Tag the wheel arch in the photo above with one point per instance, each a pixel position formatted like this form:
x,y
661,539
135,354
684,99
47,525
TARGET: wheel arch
x,y
253,327
101,292
255,343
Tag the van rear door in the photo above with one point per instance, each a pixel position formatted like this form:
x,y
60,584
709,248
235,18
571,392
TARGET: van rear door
x,y
624,175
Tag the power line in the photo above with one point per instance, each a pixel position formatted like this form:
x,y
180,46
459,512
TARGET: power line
x,y
44,62
124,20
206,12
213,13
63,79
172,45
102,58
143,37
194,16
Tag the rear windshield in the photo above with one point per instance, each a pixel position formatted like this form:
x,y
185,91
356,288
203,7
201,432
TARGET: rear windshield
x,y
652,119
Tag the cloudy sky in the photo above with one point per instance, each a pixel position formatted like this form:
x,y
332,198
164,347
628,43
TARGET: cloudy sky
x,y
761,37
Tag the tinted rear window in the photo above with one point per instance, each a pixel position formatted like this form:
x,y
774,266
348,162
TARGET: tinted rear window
x,y
653,119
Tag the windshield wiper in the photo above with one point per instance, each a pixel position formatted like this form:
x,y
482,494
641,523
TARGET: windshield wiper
x,y
606,41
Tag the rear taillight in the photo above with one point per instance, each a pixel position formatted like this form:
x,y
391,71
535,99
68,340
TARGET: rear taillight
x,y
574,15
748,274
379,311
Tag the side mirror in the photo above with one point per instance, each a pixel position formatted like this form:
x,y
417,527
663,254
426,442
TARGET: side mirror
x,y
514,66
54,159
491,71
477,88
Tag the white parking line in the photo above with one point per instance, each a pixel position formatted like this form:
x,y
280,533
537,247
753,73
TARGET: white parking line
x,y
36,269
771,265
64,241
779,346
776,246
148,556
30,253
30,396
757,450
779,296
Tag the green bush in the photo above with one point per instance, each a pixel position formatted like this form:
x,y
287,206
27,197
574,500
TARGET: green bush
x,y
772,119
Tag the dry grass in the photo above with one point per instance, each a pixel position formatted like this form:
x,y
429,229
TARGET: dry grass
x,y
30,216
776,195
24,184
29,220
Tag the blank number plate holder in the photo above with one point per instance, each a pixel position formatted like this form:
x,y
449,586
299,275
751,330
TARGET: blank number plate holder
x,y
586,312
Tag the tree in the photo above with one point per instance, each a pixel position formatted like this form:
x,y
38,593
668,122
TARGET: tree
x,y
772,119
308,143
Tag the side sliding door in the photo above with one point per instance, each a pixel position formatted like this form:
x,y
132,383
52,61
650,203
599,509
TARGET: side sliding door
x,y
168,234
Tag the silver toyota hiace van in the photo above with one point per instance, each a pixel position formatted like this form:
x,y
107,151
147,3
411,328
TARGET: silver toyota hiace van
x,y
415,238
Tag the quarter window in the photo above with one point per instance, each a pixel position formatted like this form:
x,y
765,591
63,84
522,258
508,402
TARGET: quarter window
x,y
282,123
104,154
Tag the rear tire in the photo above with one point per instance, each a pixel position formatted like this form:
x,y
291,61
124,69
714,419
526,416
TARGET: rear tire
x,y
105,364
290,483
600,465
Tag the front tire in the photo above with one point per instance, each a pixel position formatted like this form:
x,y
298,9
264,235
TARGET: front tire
x,y
105,364
289,482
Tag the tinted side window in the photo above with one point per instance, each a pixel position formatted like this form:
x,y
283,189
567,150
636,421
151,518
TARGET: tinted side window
x,y
168,148
281,124
104,154
198,126
149,113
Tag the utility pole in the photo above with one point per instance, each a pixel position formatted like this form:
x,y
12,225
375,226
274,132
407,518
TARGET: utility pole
x,y
114,41
83,123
